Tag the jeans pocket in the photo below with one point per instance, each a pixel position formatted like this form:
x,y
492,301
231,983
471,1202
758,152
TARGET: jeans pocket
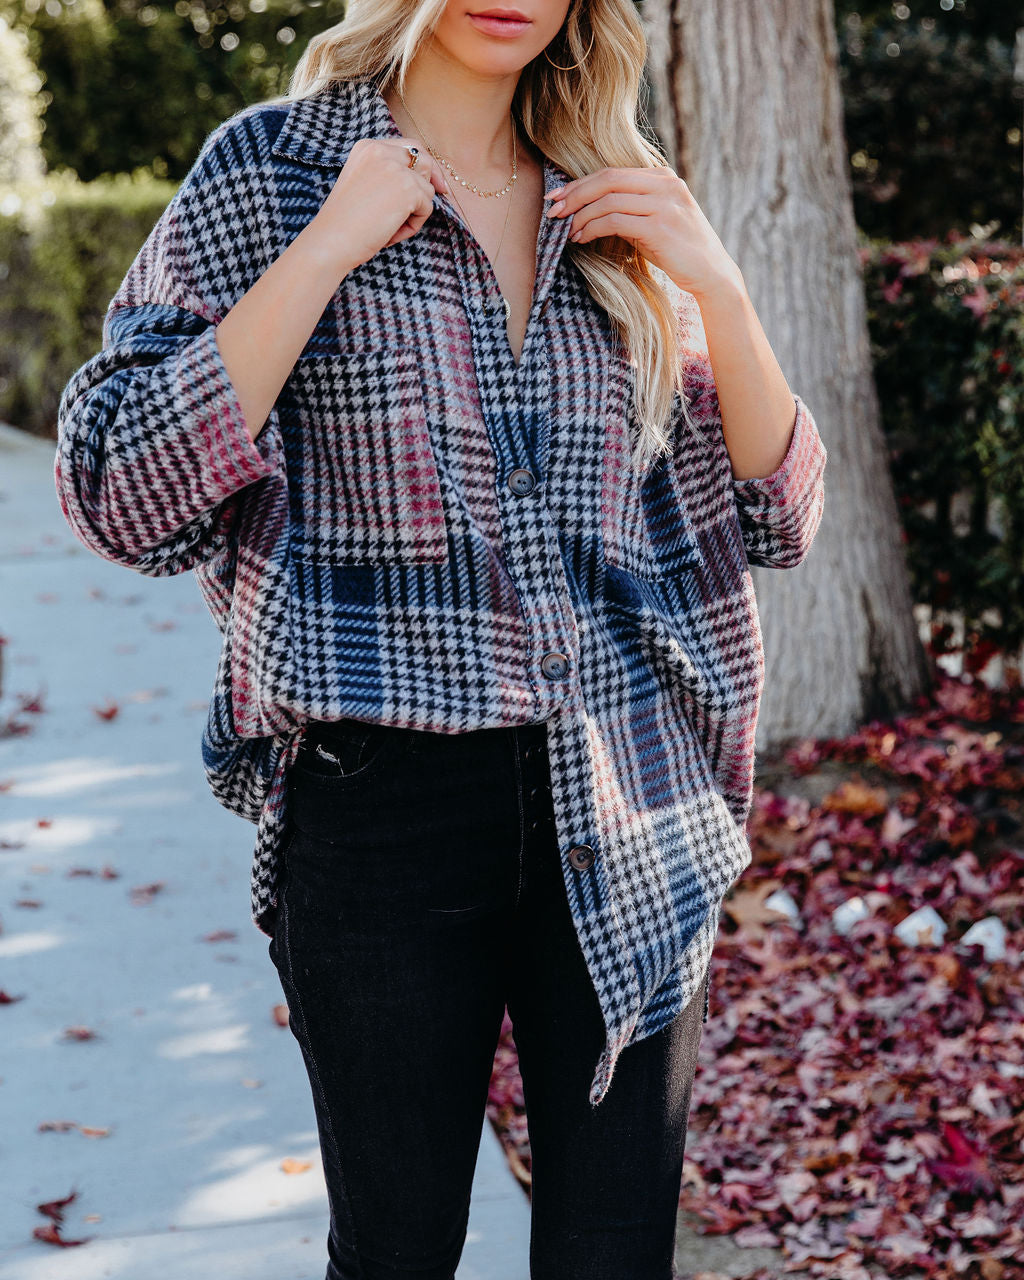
x,y
337,752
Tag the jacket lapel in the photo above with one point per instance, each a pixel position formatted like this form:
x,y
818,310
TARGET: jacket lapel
x,y
321,129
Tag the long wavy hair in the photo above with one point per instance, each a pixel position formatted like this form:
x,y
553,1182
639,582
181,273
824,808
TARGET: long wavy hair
x,y
582,120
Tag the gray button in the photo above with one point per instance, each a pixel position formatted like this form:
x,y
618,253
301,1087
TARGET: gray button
x,y
522,481
554,665
581,856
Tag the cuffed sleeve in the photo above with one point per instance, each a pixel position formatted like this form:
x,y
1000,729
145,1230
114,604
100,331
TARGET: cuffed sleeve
x,y
780,513
153,450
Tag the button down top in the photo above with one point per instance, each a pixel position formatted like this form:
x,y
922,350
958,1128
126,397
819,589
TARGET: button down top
x,y
363,558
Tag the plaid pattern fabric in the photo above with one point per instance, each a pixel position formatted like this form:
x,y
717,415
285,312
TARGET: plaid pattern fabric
x,y
366,556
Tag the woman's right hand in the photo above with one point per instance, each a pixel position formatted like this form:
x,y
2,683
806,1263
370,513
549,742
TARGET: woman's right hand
x,y
377,200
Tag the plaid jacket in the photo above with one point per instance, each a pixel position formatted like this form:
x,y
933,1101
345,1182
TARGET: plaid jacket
x,y
378,552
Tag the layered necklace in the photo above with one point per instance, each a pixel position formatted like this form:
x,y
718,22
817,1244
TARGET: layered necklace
x,y
508,189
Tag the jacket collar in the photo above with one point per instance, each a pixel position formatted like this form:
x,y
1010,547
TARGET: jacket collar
x,y
321,129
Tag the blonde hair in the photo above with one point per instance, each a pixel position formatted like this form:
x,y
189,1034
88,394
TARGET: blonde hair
x,y
582,120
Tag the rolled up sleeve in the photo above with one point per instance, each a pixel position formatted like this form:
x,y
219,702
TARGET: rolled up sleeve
x,y
153,450
780,513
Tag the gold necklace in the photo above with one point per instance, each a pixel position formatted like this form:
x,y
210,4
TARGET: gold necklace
x,y
509,185
458,202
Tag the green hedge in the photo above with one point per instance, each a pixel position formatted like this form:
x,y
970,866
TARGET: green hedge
x,y
947,321
64,248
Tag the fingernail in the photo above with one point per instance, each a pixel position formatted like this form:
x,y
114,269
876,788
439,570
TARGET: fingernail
x,y
555,191
556,208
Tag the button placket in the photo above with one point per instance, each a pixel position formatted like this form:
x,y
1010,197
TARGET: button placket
x,y
509,391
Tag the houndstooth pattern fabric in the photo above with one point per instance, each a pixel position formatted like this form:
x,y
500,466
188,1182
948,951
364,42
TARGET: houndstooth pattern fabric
x,y
365,557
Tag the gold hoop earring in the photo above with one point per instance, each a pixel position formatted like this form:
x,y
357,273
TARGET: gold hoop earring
x,y
575,64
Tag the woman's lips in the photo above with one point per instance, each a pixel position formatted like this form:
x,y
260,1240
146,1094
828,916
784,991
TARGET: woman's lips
x,y
498,26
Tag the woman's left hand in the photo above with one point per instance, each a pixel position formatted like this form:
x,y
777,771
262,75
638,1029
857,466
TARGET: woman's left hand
x,y
653,210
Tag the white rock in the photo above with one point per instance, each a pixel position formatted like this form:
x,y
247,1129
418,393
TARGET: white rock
x,y
780,900
991,933
922,928
848,913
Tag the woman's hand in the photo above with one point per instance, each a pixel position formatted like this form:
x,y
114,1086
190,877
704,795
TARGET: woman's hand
x,y
652,209
376,201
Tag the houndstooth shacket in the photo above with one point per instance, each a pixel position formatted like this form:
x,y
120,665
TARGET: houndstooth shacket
x,y
368,557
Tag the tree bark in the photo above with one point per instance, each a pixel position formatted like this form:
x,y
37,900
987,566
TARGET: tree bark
x,y
747,103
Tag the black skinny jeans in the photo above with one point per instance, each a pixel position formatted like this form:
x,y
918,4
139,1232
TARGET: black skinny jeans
x,y
421,892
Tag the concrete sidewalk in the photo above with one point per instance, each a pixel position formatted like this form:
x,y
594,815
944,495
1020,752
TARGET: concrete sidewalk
x,y
203,1094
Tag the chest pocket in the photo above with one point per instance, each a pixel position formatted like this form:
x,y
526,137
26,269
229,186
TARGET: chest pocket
x,y
645,526
368,489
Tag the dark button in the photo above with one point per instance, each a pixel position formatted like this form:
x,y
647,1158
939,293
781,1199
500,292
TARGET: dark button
x,y
522,481
581,856
554,665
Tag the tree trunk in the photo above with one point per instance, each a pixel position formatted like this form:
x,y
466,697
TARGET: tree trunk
x,y
746,102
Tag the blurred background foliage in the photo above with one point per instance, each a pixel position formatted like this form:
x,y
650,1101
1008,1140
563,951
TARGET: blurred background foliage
x,y
933,115
946,321
142,82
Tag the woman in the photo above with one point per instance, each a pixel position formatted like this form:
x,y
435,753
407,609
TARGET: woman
x,y
436,375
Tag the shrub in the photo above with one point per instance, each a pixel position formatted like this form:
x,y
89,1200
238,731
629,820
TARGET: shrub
x,y
947,322
64,248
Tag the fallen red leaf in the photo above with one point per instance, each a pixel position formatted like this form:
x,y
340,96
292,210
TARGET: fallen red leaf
x,y
969,1170
143,893
55,1208
79,1033
50,1234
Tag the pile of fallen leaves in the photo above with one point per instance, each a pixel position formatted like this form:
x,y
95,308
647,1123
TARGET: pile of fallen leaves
x,y
859,1100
